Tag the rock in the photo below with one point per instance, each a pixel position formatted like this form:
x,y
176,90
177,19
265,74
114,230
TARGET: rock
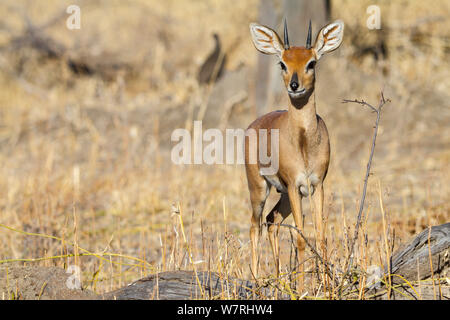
x,y
39,283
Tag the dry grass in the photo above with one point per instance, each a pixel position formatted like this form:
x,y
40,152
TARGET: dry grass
x,y
87,161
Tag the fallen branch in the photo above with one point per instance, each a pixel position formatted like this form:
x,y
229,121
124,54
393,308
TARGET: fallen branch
x,y
419,269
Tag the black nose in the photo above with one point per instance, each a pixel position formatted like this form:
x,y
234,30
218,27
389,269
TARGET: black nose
x,y
294,82
294,86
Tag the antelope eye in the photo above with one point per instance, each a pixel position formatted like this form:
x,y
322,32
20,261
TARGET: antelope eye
x,y
311,65
283,66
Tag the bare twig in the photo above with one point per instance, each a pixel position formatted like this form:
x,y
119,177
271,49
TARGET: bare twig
x,y
383,101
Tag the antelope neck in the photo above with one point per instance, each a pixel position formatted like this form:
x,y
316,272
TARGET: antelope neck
x,y
302,117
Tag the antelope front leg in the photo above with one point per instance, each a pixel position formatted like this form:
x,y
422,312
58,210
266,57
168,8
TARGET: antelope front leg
x,y
295,201
318,204
258,196
273,219
276,216
320,229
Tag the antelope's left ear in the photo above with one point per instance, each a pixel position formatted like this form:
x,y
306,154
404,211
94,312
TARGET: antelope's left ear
x,y
266,40
329,38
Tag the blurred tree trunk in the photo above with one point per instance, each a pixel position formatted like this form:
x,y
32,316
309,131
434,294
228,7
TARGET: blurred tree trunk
x,y
268,84
267,16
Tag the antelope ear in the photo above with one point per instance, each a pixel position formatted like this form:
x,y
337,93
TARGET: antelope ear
x,y
329,38
266,40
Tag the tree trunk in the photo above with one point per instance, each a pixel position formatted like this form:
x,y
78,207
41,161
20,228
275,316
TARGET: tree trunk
x,y
188,285
424,263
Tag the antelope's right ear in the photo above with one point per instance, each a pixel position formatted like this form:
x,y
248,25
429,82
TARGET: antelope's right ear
x,y
266,40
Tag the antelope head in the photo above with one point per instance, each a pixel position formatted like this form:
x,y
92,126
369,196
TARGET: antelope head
x,y
298,63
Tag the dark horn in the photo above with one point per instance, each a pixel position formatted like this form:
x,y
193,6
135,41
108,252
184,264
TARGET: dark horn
x,y
286,37
308,39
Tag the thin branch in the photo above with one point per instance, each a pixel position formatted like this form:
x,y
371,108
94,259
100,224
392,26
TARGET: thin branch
x,y
313,249
383,101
